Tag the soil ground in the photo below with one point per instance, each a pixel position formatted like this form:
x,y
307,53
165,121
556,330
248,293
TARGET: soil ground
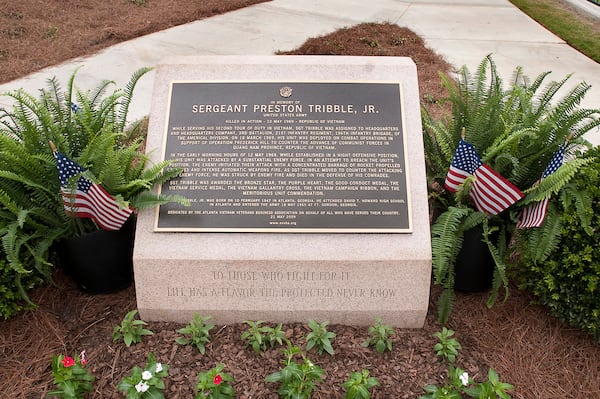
x,y
540,356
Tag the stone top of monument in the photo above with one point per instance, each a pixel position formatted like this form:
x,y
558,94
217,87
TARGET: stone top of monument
x,y
169,266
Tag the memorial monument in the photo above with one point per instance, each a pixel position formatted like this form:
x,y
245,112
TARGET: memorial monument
x,y
307,185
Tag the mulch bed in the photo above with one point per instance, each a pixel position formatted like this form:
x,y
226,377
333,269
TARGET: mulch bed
x,y
541,356
37,34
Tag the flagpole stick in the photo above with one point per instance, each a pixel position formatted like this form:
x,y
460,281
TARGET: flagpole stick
x,y
463,133
569,137
52,146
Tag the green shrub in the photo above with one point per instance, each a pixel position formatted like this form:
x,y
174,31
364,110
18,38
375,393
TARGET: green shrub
x,y
567,281
11,299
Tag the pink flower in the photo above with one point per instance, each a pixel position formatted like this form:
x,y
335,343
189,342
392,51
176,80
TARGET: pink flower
x,y
83,359
218,379
68,361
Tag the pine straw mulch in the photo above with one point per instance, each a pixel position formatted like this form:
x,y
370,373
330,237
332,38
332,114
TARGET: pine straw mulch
x,y
36,34
542,357
539,355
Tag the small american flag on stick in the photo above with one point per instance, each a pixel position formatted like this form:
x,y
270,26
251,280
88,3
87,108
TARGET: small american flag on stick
x,y
87,199
490,192
534,214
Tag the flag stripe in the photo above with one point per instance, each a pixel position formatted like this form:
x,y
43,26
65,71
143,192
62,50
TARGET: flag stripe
x,y
490,192
108,216
455,178
503,188
110,213
88,199
534,214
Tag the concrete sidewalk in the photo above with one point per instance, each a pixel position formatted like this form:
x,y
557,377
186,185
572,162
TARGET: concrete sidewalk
x,y
463,32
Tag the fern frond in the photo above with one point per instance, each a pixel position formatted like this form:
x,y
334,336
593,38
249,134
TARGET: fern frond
x,y
11,244
4,174
555,182
446,241
161,173
546,97
542,241
499,279
123,110
149,199
95,96
445,305
68,97
537,83
53,100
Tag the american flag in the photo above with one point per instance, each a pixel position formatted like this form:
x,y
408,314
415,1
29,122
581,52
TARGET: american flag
x,y
534,214
490,192
88,200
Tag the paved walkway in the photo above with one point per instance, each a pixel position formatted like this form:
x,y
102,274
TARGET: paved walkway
x,y
463,31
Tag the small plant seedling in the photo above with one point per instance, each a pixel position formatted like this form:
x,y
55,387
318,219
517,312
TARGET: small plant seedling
x,y
262,337
131,330
380,336
493,388
255,335
275,336
460,383
296,380
358,385
448,347
319,338
197,333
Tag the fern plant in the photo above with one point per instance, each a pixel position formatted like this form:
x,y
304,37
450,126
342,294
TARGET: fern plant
x,y
89,127
516,131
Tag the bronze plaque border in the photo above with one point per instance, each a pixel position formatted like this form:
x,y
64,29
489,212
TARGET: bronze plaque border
x,y
409,229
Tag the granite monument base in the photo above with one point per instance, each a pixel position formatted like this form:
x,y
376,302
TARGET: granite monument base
x,y
347,278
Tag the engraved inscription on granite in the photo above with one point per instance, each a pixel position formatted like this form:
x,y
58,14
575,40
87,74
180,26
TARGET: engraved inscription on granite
x,y
287,156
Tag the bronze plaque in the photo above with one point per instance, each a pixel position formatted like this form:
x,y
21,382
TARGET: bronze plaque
x,y
299,157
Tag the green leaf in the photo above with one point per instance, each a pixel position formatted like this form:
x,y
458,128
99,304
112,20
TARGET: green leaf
x,y
327,347
274,377
154,393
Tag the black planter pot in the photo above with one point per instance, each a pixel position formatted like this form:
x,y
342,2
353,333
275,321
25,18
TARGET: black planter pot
x,y
100,262
474,266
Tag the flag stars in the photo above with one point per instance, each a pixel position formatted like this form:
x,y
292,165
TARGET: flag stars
x,y
89,200
67,169
467,158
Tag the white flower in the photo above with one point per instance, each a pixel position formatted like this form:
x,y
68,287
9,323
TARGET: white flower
x,y
464,378
158,367
142,386
146,375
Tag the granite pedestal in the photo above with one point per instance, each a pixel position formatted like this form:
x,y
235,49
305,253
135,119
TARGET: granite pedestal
x,y
347,278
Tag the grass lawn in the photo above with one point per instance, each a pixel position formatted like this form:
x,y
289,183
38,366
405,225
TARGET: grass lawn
x,y
578,31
